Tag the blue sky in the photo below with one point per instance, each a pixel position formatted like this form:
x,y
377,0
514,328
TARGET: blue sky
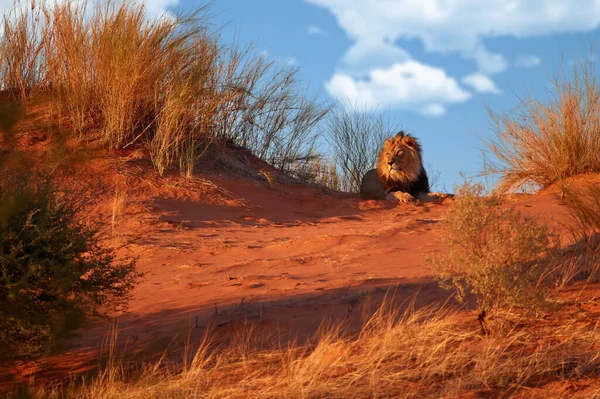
x,y
432,64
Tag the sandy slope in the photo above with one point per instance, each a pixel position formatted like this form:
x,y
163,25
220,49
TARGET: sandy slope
x,y
223,251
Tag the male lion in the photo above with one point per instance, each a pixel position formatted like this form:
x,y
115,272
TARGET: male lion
x,y
400,173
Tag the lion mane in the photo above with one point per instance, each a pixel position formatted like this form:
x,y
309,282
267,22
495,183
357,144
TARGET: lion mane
x,y
399,169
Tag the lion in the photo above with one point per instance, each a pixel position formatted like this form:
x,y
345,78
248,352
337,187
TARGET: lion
x,y
399,173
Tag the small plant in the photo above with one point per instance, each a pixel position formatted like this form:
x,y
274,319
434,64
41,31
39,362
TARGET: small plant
x,y
494,252
544,143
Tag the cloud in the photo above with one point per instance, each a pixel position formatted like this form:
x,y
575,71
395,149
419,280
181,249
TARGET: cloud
x,y
480,83
460,26
527,61
376,28
488,62
366,55
160,8
409,86
315,30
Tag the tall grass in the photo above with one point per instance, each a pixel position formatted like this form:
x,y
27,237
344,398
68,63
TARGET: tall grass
x,y
21,49
544,142
167,84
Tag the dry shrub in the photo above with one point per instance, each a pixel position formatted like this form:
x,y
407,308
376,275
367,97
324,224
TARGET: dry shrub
x,y
165,83
493,252
545,142
356,137
269,115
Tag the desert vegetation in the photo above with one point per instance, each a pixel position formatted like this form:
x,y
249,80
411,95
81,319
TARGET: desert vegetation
x,y
166,85
545,142
356,137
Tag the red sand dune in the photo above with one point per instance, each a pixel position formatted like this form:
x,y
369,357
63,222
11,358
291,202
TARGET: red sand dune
x,y
222,250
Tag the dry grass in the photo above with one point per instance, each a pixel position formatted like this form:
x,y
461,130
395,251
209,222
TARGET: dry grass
x,y
167,84
545,142
431,352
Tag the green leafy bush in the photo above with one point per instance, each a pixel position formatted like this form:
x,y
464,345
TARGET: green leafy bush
x,y
51,264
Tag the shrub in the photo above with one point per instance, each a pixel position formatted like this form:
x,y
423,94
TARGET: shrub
x,y
52,265
356,137
545,142
494,252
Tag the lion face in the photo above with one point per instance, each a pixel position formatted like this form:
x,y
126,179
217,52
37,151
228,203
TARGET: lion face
x,y
400,158
400,153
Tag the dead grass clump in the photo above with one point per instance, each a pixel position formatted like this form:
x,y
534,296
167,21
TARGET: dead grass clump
x,y
494,252
546,142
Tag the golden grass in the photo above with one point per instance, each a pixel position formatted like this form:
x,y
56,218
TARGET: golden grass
x,y
167,84
545,142
431,352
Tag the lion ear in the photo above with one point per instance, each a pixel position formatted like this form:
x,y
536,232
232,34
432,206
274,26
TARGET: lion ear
x,y
410,142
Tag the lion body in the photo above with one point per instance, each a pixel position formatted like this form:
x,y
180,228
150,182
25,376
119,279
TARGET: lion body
x,y
399,174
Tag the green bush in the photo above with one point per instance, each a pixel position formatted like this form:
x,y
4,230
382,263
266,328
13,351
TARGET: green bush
x,y
51,264
494,252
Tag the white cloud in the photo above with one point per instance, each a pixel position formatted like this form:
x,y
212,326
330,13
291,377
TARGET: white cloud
x,y
460,26
527,61
486,61
160,7
409,85
366,55
315,30
376,28
434,109
480,83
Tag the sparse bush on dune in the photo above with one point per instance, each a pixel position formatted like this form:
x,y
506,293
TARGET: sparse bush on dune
x,y
167,84
356,137
493,251
545,142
